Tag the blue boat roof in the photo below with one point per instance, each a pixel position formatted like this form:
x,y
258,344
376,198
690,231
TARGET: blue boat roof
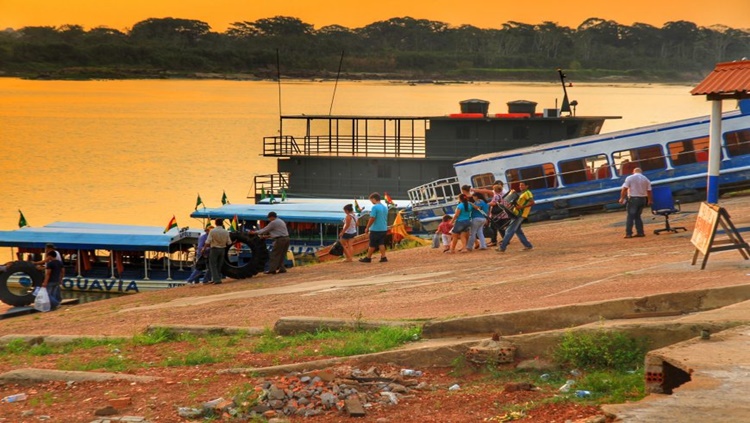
x,y
89,236
307,211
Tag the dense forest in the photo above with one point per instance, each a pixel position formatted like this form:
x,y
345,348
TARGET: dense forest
x,y
404,48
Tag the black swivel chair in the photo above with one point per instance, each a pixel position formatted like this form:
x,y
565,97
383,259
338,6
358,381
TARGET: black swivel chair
x,y
662,204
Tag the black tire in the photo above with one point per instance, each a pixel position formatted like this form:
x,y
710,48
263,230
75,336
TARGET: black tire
x,y
250,265
18,297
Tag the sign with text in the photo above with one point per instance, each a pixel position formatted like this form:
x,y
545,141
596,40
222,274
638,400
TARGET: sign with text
x,y
705,227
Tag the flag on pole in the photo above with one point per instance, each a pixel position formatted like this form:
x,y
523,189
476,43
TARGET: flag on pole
x,y
270,197
262,193
224,199
172,224
21,219
388,200
357,208
198,202
283,194
233,226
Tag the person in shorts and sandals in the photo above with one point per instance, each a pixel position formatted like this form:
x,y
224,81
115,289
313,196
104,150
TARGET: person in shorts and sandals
x,y
377,227
348,232
444,230
461,224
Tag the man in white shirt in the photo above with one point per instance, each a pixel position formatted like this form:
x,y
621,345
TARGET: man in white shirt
x,y
636,191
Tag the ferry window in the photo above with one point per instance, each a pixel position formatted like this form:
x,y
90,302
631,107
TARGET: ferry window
x,y
647,158
536,177
463,132
584,169
688,151
520,132
484,180
738,142
384,171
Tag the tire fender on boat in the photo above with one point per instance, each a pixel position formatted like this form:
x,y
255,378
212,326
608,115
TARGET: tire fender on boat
x,y
12,298
257,261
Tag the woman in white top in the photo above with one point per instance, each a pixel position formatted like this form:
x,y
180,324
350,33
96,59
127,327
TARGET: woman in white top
x,y
348,232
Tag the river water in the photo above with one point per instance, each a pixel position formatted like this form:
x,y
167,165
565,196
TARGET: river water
x,y
139,151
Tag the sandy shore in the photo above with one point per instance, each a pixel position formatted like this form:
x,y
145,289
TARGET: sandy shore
x,y
574,261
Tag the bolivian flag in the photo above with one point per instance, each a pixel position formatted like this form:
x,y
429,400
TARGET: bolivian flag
x,y
233,226
172,224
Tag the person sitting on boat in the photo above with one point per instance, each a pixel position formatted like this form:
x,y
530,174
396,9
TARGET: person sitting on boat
x,y
201,258
348,232
53,275
277,231
523,207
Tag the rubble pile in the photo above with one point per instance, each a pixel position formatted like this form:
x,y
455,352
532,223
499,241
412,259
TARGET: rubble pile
x,y
349,391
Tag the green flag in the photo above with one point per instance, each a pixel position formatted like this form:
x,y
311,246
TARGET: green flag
x,y
198,202
357,208
262,193
283,194
270,197
21,219
224,200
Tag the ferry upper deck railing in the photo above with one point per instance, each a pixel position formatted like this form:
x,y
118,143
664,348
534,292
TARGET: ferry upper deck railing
x,y
350,136
434,193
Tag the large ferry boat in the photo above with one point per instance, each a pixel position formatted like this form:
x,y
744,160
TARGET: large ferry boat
x,y
345,156
588,172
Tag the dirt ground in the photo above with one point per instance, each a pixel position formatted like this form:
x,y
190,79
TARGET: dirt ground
x,y
574,261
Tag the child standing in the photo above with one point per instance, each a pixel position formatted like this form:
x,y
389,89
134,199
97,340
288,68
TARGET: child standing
x,y
444,229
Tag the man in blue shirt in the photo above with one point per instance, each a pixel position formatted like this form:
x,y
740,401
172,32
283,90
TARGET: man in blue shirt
x,y
201,258
377,227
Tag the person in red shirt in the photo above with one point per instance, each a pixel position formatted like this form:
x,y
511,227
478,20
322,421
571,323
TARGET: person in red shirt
x,y
444,229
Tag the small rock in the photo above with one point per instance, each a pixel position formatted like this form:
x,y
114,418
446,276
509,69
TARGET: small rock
x,y
189,413
381,420
305,379
120,403
328,399
399,389
27,413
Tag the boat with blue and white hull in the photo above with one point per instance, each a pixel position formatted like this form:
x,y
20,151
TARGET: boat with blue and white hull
x,y
98,258
588,172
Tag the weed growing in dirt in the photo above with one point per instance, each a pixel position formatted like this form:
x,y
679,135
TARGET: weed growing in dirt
x,y
192,358
600,350
155,336
340,343
113,363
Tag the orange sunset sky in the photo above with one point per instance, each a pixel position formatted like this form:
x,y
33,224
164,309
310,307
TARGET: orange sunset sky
x,y
122,14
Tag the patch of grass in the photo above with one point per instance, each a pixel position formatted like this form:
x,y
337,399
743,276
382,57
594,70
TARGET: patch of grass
x,y
16,346
341,343
114,363
155,336
600,350
41,349
614,386
192,358
44,398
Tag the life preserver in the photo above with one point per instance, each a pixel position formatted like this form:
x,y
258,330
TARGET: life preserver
x,y
15,298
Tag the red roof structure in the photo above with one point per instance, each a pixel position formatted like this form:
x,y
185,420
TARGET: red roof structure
x,y
730,80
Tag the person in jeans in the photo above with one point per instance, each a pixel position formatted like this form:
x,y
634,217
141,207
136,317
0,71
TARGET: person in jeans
x,y
218,240
479,212
636,191
377,227
523,208
461,224
201,258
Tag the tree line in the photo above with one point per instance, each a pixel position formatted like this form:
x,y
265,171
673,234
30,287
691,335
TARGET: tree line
x,y
409,47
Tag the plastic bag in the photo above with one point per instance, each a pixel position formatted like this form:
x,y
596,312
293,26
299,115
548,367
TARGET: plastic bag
x,y
436,240
42,302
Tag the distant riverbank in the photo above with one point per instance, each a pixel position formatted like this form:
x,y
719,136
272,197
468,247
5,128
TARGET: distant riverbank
x,y
466,75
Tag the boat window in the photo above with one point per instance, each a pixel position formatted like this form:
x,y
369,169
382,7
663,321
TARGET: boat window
x,y
688,151
584,169
484,180
520,132
647,158
536,177
738,142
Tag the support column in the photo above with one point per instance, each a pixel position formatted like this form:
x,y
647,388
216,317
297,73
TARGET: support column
x,y
714,154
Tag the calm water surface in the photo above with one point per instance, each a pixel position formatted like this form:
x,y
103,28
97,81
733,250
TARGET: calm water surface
x,y
137,152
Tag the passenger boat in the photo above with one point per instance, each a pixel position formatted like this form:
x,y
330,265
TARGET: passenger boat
x,y
588,172
346,156
312,223
100,258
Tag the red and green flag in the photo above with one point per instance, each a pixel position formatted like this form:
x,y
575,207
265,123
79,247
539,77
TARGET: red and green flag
x,y
234,225
21,219
388,199
172,224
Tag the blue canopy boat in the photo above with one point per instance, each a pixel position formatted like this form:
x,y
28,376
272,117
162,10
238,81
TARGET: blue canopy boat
x,y
98,258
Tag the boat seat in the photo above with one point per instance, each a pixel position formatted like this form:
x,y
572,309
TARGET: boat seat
x,y
662,204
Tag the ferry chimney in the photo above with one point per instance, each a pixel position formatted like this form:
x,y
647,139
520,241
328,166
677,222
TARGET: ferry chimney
x,y
475,105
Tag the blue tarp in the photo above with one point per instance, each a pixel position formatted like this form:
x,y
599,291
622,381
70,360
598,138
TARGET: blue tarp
x,y
90,236
309,211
